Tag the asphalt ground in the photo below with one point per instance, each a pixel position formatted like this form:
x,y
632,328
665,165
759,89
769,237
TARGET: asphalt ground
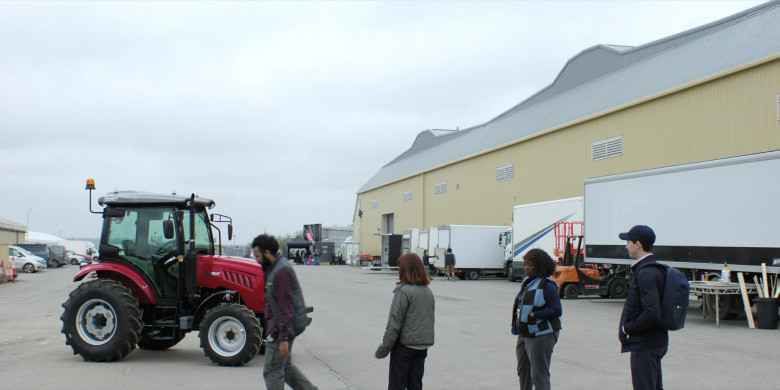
x,y
474,348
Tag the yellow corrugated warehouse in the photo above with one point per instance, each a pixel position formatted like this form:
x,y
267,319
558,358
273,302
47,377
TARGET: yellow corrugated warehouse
x,y
703,94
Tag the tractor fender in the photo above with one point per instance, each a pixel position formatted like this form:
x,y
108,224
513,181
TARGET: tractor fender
x,y
122,274
214,300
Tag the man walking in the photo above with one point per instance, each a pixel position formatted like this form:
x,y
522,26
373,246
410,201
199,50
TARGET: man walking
x,y
281,289
427,262
639,331
449,264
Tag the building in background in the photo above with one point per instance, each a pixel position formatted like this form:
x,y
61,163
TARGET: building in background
x,y
707,93
10,233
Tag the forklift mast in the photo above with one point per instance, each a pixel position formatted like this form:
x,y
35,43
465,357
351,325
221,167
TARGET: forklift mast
x,y
564,232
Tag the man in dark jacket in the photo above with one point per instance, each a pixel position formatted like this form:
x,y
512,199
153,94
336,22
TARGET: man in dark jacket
x,y
639,331
281,289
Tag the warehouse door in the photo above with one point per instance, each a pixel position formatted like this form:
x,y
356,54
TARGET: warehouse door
x,y
388,223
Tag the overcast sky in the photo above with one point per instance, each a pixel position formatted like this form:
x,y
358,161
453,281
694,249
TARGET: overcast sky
x,y
279,111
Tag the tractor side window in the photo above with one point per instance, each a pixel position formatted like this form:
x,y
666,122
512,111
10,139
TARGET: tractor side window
x,y
139,236
203,242
162,247
123,231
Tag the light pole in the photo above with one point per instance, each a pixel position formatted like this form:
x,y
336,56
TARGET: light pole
x,y
360,232
29,210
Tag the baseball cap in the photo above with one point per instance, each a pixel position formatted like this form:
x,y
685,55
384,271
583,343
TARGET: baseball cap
x,y
641,233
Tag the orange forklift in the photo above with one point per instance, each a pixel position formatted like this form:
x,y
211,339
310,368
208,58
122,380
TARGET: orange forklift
x,y
575,278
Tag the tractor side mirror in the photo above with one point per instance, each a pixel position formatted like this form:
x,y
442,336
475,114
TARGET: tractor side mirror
x,y
168,229
109,251
230,231
113,212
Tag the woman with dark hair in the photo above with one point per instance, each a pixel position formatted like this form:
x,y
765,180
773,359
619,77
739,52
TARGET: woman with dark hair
x,y
409,331
536,320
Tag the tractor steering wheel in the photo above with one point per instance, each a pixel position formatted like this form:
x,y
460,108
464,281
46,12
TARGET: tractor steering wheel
x,y
165,249
167,258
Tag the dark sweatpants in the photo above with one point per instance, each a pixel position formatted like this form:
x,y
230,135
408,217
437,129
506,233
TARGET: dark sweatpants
x,y
534,355
646,369
407,366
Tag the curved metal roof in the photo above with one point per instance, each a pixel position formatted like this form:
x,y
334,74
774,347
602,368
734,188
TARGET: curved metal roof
x,y
598,79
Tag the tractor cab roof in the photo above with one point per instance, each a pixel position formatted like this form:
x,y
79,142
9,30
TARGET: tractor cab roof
x,y
139,198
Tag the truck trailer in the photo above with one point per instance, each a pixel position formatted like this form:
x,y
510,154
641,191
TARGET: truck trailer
x,y
533,226
81,247
474,247
705,215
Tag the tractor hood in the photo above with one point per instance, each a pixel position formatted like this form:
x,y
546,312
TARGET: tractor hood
x,y
239,274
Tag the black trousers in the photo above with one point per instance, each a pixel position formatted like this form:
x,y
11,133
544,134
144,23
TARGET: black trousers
x,y
646,369
407,366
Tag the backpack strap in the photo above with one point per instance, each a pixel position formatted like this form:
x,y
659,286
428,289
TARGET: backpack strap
x,y
664,267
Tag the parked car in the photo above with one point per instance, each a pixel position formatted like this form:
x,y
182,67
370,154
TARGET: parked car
x,y
60,253
23,260
43,251
75,259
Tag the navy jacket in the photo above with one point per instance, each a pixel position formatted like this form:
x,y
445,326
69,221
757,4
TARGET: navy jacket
x,y
642,309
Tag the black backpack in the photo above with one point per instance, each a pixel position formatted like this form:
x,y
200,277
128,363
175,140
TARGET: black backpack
x,y
674,299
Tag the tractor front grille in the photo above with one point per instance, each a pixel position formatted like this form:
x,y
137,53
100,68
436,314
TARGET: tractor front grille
x,y
239,278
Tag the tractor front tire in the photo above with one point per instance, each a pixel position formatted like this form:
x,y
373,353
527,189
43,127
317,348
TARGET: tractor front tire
x,y
101,321
230,335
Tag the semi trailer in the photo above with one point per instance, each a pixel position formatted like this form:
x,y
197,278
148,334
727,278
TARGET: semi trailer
x,y
705,215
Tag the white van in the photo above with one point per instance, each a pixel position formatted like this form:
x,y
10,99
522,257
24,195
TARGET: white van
x,y
22,260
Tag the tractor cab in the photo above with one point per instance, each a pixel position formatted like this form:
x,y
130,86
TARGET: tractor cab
x,y
149,232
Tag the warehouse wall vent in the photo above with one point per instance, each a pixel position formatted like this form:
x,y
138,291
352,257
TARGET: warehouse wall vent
x,y
440,188
507,172
610,147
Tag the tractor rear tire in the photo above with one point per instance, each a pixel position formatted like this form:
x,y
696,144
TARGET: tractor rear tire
x,y
618,289
230,335
147,343
571,291
101,321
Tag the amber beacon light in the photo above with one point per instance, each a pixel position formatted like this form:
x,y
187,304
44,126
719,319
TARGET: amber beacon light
x,y
91,186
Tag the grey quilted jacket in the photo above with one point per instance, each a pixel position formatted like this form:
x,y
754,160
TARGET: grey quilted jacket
x,y
411,319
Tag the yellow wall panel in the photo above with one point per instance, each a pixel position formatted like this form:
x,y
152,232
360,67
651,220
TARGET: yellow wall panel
x,y
732,115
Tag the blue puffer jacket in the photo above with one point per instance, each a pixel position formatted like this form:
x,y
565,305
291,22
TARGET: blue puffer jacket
x,y
642,309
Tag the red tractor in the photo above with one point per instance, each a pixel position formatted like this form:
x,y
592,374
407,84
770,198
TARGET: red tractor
x,y
159,278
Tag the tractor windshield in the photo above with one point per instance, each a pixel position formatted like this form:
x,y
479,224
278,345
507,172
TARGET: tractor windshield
x,y
203,241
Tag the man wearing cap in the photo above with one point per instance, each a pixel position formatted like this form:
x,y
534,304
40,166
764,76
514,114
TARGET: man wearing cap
x,y
639,331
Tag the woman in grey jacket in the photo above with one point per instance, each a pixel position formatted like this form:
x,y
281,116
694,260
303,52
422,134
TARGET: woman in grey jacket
x,y
409,330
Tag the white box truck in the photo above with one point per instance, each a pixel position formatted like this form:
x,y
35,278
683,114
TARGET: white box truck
x,y
533,226
474,247
704,214
410,241
79,247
